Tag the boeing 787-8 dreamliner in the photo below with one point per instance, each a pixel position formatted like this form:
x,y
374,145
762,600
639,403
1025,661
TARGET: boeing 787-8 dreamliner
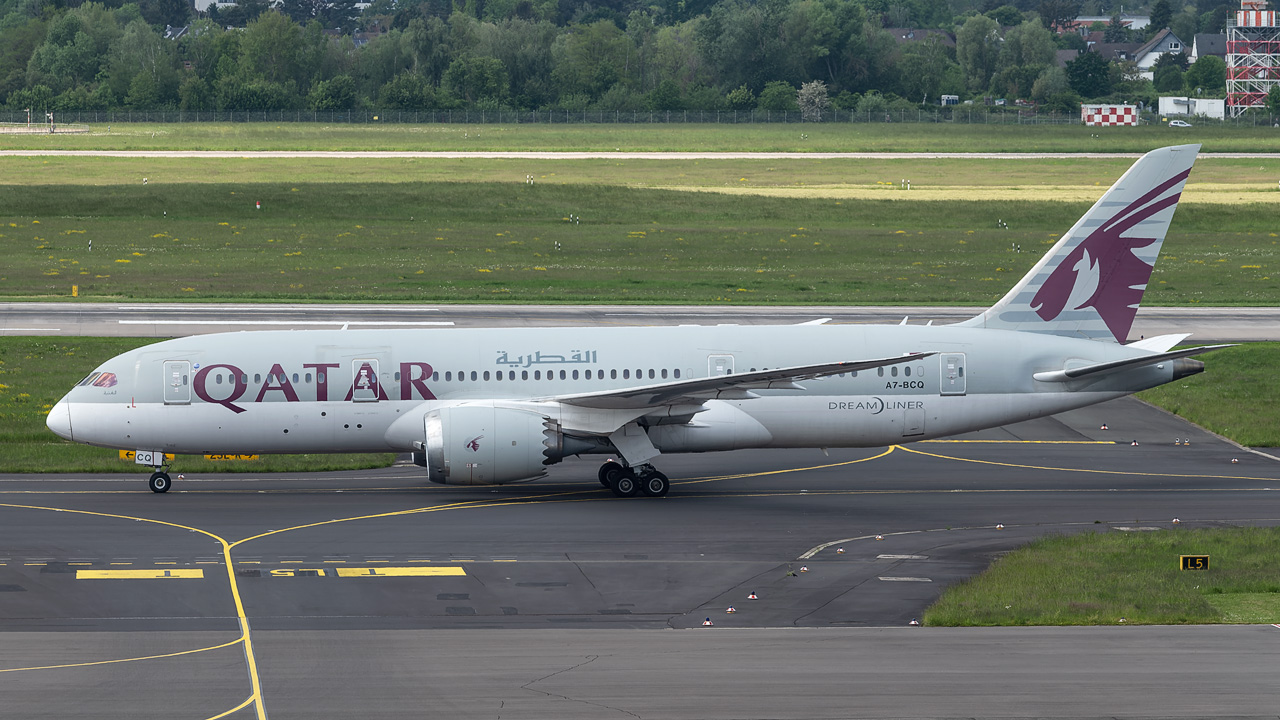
x,y
481,406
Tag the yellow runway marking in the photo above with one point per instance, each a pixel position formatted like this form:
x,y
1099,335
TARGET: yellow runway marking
x,y
125,660
235,709
193,574
718,478
1027,442
1084,470
400,571
246,640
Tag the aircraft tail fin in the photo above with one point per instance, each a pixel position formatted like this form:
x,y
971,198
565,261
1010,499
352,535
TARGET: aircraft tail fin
x,y
1091,282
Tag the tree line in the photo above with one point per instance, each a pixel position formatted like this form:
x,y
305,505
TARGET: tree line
x,y
573,55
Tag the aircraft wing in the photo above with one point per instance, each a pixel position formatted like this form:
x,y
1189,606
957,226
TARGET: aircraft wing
x,y
734,386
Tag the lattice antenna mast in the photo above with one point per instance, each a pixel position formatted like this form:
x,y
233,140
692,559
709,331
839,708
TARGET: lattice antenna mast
x,y
1253,56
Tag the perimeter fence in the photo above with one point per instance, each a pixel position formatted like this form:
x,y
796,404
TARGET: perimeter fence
x,y
963,115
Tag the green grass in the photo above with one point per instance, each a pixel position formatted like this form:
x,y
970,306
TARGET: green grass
x,y
36,371
826,137
1089,174
1236,396
496,242
1100,577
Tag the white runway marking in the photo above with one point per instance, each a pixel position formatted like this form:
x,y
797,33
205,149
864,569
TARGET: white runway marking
x,y
905,579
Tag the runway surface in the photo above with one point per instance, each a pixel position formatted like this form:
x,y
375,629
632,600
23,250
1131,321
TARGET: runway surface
x,y
371,595
1207,324
596,154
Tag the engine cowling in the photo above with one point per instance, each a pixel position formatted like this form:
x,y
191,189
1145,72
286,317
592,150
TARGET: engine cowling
x,y
476,444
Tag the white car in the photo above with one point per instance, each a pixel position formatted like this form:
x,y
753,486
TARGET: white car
x,y
1179,123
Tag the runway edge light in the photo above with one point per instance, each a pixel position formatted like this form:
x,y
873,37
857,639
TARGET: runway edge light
x,y
707,623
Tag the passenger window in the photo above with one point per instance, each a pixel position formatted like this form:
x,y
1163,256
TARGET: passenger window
x,y
524,374
880,371
473,376
562,376
894,371
448,376
320,377
499,374
664,373
651,373
537,374
257,378
435,377
613,374
626,374
677,373
588,374
907,371
217,379
486,375
308,378
397,376
575,374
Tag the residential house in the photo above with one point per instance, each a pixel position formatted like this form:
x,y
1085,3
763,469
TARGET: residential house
x,y
1163,42
1208,44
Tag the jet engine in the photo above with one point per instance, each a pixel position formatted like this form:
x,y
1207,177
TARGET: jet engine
x,y
478,443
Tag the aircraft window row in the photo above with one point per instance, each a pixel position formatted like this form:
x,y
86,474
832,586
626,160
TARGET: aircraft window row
x,y
906,371
626,374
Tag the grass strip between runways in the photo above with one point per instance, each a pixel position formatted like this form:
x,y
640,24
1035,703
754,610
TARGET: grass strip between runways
x,y
1112,577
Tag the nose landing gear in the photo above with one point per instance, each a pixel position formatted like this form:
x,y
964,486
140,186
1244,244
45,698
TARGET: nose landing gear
x,y
159,482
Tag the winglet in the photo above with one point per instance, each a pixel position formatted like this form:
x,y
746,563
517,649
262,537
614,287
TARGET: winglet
x,y
1091,282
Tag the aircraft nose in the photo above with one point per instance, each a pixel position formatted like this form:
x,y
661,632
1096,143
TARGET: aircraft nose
x,y
59,420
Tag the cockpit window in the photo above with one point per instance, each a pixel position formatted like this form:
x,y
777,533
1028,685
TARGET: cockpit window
x,y
87,380
105,380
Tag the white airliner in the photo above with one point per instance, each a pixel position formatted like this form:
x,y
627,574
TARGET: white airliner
x,y
481,406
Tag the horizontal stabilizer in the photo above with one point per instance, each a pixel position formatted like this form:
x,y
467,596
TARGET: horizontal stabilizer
x,y
1160,343
1117,365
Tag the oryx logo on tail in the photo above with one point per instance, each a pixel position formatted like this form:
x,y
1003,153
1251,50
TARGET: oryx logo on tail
x,y
1091,282
1104,271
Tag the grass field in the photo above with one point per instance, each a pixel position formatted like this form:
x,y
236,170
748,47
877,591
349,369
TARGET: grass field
x,y
511,242
1234,397
1108,577
36,371
809,137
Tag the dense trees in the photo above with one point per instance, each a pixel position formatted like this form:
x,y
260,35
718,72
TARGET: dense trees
x,y
666,55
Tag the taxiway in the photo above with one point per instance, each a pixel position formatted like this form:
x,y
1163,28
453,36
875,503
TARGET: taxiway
x,y
370,594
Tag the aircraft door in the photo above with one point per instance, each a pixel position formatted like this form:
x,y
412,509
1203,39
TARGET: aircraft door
x,y
718,365
953,374
177,382
364,387
913,421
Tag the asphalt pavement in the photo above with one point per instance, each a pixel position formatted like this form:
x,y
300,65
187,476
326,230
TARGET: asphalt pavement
x,y
375,594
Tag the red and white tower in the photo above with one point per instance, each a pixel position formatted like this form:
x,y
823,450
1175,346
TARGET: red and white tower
x,y
1253,56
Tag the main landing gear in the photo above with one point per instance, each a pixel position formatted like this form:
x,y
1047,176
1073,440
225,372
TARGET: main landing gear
x,y
628,482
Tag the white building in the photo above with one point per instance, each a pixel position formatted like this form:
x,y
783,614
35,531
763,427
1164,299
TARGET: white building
x,y
1215,108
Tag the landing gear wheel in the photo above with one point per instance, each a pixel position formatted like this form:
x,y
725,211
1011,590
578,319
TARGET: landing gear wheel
x,y
159,482
655,484
623,482
604,471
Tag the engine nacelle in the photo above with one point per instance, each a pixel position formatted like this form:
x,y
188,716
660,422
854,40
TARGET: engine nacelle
x,y
477,443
